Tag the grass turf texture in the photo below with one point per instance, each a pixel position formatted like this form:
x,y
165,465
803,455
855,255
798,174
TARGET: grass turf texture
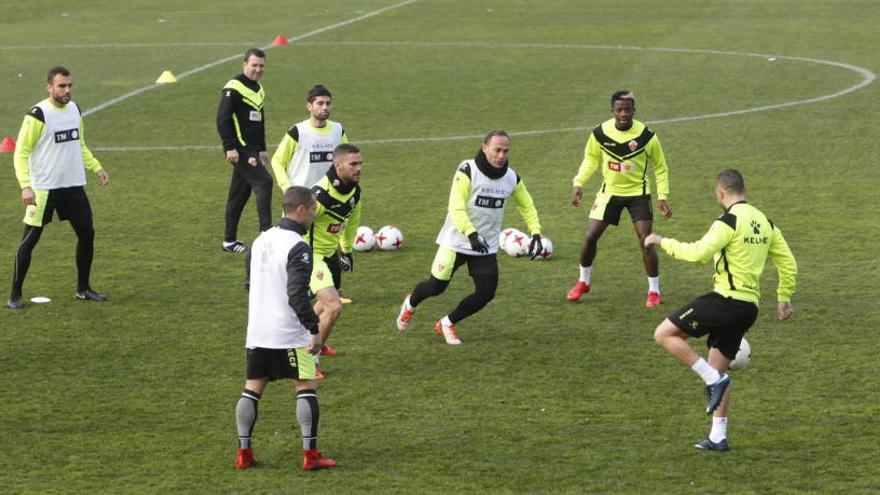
x,y
137,394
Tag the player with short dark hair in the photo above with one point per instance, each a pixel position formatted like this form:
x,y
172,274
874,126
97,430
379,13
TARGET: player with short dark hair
x,y
333,233
740,241
480,190
241,123
282,330
624,149
50,161
306,150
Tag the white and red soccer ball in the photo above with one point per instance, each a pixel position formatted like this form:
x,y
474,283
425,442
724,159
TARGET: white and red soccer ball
x,y
516,244
389,238
546,249
365,239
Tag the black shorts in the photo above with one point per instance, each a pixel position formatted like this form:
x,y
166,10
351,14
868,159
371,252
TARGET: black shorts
x,y
726,320
486,264
639,208
275,364
71,203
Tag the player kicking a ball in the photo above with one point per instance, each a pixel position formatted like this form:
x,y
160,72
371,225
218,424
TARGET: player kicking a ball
x,y
740,241
480,190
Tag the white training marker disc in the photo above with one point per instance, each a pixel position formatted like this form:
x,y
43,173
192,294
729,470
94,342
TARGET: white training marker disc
x,y
40,300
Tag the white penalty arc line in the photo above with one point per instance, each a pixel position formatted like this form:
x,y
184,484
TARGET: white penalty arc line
x,y
215,63
867,77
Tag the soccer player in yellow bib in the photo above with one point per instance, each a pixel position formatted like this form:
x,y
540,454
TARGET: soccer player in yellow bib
x,y
624,149
480,190
739,241
336,224
50,162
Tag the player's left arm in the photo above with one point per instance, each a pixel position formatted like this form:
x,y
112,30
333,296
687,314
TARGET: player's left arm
x,y
349,233
526,207
89,161
654,152
786,268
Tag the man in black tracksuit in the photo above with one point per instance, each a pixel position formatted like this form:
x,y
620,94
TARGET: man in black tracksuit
x,y
242,130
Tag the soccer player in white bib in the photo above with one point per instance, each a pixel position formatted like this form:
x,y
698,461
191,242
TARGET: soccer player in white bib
x,y
624,149
50,161
480,190
306,150
282,330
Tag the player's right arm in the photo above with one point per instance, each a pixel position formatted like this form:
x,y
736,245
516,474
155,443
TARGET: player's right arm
x,y
299,272
282,157
591,161
458,196
718,236
31,129
226,126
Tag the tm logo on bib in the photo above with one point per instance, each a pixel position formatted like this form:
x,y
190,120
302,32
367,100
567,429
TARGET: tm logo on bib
x,y
68,135
489,202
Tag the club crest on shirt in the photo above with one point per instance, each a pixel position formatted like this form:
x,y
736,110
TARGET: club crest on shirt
x,y
319,275
633,145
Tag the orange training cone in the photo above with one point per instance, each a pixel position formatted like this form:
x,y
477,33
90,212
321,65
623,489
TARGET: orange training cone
x,y
8,144
280,40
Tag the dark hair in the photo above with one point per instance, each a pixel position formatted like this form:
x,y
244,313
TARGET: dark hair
x,y
344,149
731,180
54,71
316,91
493,133
623,95
295,196
255,52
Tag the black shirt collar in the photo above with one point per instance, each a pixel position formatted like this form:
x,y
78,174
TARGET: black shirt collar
x,y
487,169
252,85
288,224
338,183
737,203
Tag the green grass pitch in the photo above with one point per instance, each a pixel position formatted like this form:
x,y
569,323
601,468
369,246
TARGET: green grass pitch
x,y
137,395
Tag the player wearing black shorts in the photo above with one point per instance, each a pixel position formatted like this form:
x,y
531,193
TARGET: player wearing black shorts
x,y
50,161
624,149
282,331
740,241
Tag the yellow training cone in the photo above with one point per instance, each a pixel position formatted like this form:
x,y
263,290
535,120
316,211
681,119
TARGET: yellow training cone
x,y
166,78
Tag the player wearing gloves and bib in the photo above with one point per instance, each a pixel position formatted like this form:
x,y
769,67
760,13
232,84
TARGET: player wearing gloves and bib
x,y
469,236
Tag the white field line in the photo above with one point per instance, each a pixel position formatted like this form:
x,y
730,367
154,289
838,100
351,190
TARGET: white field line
x,y
215,63
867,77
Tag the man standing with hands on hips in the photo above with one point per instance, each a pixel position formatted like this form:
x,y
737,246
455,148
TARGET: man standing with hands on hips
x,y
241,124
50,162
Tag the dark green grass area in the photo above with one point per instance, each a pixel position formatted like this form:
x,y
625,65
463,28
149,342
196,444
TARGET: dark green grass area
x,y
137,395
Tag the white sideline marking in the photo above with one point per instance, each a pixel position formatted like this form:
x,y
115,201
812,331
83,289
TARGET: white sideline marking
x,y
215,63
868,77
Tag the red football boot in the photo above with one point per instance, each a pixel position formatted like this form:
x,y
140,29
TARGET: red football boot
x,y
313,459
326,350
579,289
653,300
245,458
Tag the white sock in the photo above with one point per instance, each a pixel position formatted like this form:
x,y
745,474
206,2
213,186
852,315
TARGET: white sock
x,y
445,321
719,429
709,374
654,284
585,274
407,305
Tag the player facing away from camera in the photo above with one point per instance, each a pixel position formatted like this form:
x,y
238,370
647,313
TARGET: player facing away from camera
x,y
282,331
739,241
50,163
480,189
241,124
306,150
624,149
333,233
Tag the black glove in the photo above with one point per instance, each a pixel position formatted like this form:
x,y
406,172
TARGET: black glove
x,y
536,247
346,262
478,244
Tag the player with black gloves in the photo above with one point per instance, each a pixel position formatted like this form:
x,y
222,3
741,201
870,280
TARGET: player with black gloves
x,y
470,235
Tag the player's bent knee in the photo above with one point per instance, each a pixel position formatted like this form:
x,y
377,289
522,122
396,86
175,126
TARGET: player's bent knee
x,y
665,330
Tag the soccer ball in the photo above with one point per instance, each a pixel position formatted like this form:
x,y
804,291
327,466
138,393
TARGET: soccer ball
x,y
517,244
365,239
743,356
389,238
547,252
506,235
